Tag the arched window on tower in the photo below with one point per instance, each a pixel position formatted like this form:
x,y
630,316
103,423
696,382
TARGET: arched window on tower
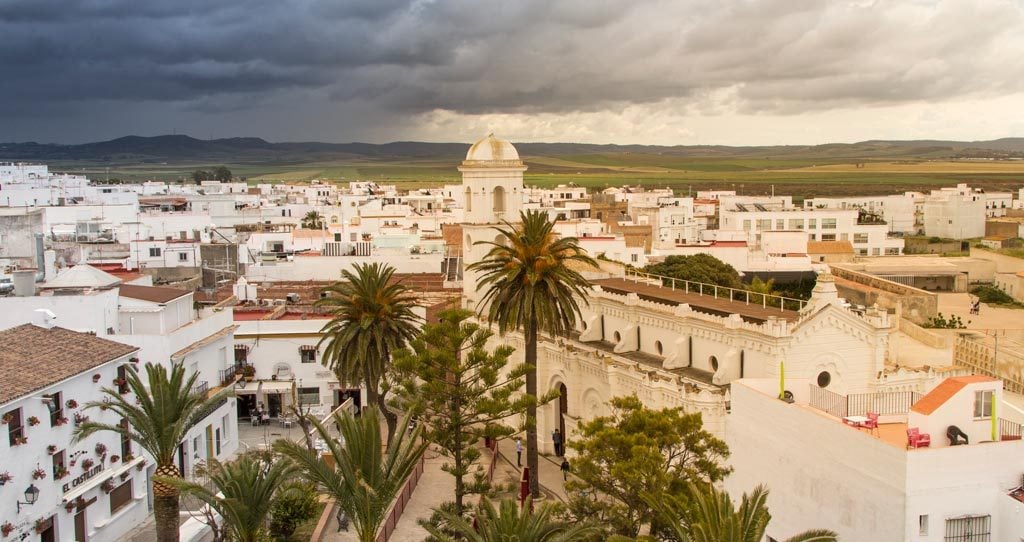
x,y
469,200
499,199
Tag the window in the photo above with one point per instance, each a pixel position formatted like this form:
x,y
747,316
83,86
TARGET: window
x,y
828,237
309,396
55,404
657,347
814,237
636,258
828,223
154,252
824,379
876,251
892,252
183,256
59,468
860,238
796,223
764,224
812,223
983,404
714,363
14,429
969,529
122,379
746,225
922,525
780,224
216,441
617,337
307,353
120,497
126,441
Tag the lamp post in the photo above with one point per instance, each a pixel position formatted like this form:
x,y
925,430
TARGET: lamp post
x,y
31,495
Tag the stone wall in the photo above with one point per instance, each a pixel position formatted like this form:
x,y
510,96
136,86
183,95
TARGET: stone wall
x,y
917,305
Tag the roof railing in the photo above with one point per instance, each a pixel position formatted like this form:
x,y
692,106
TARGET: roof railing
x,y
723,292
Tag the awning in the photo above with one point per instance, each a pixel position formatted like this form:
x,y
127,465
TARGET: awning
x,y
275,386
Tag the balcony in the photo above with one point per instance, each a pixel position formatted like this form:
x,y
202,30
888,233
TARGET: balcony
x,y
201,387
229,375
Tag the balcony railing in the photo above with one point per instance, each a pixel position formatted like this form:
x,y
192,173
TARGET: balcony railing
x,y
201,387
859,404
1009,430
227,376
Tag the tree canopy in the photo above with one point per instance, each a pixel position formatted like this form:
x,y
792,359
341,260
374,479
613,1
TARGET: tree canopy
x,y
637,451
697,268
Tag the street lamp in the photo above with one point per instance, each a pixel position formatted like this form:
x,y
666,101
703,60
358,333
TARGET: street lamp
x,y
31,494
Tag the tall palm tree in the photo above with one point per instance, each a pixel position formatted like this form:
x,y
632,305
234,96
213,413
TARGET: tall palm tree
x,y
530,287
364,480
243,493
708,515
164,409
372,317
313,221
511,522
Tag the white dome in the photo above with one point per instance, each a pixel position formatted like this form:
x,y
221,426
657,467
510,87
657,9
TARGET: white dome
x,y
491,148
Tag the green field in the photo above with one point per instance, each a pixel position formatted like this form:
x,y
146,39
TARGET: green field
x,y
801,177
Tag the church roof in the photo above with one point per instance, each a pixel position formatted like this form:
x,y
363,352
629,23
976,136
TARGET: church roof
x,y
83,276
491,148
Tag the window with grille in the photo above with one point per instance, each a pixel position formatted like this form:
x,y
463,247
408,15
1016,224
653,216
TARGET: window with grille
x,y
969,529
56,407
154,252
14,429
307,354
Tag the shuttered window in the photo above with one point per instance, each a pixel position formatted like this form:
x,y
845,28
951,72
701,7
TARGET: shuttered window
x,y
120,497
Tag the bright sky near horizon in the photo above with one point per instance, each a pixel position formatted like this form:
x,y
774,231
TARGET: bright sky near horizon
x,y
598,71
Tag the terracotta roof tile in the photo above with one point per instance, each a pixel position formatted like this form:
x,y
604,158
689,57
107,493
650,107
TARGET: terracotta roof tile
x,y
33,357
944,391
155,294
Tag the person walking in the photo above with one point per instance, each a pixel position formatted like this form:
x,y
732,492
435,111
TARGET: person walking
x,y
519,452
565,470
556,438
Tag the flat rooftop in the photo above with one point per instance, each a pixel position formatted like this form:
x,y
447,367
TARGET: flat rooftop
x,y
709,304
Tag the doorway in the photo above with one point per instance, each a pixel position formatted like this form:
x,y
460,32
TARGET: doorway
x,y
48,532
340,396
274,404
563,409
80,531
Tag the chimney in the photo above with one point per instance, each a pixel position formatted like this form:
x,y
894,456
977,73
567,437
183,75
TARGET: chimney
x,y
44,318
24,282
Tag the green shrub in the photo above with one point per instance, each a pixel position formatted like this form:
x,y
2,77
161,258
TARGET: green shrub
x,y
991,294
292,508
940,322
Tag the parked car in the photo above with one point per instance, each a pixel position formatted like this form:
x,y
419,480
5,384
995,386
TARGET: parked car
x,y
6,286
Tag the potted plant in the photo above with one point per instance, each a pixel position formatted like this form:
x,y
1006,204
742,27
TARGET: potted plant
x,y
20,440
32,420
140,465
5,477
38,474
249,372
7,528
40,526
71,403
96,378
120,382
133,359
87,464
124,476
115,458
128,457
61,473
69,507
108,485
7,418
60,421
80,418
101,449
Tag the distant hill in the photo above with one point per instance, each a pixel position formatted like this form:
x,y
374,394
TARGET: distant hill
x,y
183,148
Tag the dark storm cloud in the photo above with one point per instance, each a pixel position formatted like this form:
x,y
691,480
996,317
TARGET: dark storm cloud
x,y
525,56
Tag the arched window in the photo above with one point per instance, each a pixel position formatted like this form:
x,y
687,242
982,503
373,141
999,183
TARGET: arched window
x,y
617,337
657,347
469,200
499,199
714,363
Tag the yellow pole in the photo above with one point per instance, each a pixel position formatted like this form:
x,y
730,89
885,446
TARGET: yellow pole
x,y
995,435
782,380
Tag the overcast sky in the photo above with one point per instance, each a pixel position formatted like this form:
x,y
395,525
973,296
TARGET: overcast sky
x,y
630,71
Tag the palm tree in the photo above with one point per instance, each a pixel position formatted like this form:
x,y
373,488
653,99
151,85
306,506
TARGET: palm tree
x,y
510,522
165,408
530,287
709,516
372,317
243,494
363,480
313,221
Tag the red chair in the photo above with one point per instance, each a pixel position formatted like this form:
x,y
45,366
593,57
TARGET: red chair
x,y
872,423
916,439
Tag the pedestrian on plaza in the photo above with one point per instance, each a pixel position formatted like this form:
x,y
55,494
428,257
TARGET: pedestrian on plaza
x,y
556,438
519,452
565,470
